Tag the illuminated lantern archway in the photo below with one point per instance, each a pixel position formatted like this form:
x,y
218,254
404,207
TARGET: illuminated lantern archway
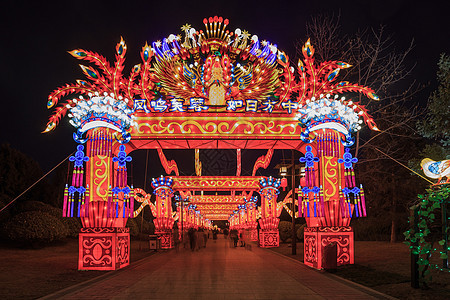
x,y
210,89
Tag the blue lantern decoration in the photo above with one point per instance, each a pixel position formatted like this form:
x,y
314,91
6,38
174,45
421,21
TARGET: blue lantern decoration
x,y
309,159
79,157
348,160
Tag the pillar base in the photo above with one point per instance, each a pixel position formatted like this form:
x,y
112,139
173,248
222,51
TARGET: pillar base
x,y
269,239
166,239
317,238
103,248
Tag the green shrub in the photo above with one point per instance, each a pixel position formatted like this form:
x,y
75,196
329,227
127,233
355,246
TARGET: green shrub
x,y
285,229
147,226
372,228
31,205
73,225
34,228
134,228
300,231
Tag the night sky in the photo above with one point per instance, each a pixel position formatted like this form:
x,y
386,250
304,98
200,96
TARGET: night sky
x,y
36,37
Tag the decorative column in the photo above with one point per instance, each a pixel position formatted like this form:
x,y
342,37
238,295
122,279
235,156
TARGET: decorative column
x,y
250,207
191,216
269,235
242,215
182,212
234,220
100,194
328,194
197,219
163,220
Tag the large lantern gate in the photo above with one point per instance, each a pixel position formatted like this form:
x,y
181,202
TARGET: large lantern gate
x,y
218,89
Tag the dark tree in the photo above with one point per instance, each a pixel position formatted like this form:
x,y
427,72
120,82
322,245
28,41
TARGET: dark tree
x,y
17,173
378,64
436,124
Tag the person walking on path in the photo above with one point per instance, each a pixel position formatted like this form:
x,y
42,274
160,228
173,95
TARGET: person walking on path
x,y
234,237
205,238
241,239
198,239
225,233
191,234
185,239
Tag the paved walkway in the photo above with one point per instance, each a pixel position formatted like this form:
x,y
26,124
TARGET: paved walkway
x,y
218,272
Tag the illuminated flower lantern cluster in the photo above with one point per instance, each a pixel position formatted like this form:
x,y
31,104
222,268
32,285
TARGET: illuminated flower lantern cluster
x,y
269,235
251,226
162,188
328,194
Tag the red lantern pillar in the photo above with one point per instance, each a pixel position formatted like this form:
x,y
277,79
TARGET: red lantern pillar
x,y
242,216
269,235
250,206
190,221
164,220
104,241
321,202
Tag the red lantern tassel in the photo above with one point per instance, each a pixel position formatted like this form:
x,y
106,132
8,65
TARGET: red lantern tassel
x,y
131,202
94,146
338,154
300,203
86,202
315,205
363,200
124,206
66,195
77,177
80,201
80,176
110,145
307,207
355,201
347,200
71,202
353,177
347,179
118,177
319,145
322,202
117,206
100,144
313,177
104,144
74,176
109,204
342,204
97,144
